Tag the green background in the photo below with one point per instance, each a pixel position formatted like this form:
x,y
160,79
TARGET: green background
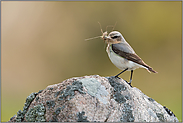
x,y
43,44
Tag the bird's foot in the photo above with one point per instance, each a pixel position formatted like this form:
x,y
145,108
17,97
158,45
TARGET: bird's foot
x,y
117,77
125,80
129,83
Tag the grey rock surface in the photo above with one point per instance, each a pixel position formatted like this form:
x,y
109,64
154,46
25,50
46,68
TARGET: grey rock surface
x,y
92,98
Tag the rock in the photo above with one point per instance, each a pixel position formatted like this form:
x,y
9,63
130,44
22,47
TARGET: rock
x,y
92,99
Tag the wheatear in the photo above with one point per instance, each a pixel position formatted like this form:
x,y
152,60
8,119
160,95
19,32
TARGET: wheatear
x,y
122,55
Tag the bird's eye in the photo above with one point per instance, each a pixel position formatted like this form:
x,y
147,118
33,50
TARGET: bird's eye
x,y
114,37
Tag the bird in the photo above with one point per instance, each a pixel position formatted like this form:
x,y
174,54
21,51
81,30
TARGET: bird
x,y
122,54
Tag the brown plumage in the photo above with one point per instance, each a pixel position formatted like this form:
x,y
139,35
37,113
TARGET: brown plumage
x,y
132,57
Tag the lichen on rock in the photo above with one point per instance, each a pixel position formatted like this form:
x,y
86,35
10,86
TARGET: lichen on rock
x,y
69,91
20,114
81,117
50,103
36,114
29,99
127,115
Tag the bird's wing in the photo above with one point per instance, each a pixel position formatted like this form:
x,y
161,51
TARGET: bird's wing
x,y
124,47
129,54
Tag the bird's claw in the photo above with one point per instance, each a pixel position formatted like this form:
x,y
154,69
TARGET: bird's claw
x,y
129,83
117,77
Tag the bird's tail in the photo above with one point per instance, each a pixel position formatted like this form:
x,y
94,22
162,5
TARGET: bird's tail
x,y
150,69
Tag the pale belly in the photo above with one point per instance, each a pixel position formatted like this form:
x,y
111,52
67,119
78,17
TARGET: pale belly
x,y
122,63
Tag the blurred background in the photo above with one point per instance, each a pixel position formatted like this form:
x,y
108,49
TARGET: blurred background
x,y
43,44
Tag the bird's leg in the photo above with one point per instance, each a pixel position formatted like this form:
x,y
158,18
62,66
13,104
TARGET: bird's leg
x,y
131,77
121,73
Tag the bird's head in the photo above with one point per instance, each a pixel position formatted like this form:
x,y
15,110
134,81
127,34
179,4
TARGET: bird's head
x,y
114,37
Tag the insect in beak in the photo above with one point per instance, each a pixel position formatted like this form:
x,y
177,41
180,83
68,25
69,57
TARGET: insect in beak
x,y
104,34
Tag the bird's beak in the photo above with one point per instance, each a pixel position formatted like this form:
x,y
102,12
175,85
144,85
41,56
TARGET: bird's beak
x,y
106,38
